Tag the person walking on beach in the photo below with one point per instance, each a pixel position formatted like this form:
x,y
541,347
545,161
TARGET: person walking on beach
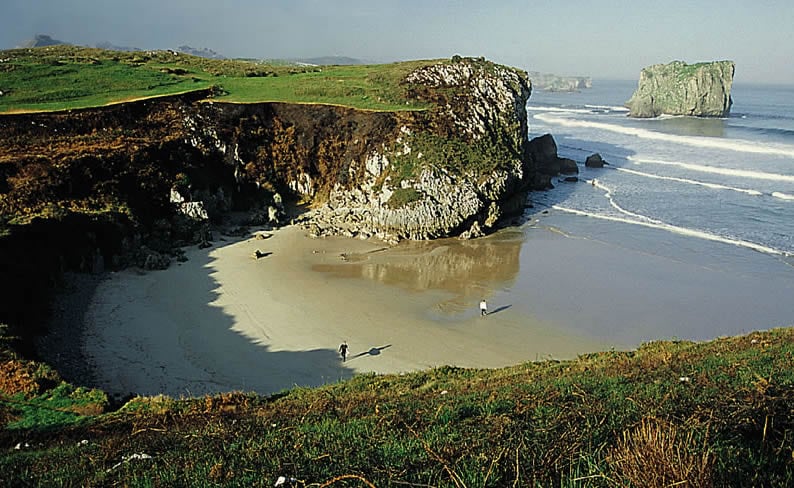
x,y
343,351
483,308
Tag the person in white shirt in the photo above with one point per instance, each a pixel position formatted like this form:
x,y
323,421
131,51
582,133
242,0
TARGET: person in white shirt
x,y
483,308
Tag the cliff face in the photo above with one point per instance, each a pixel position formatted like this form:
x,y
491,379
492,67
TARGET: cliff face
x,y
455,169
702,90
93,188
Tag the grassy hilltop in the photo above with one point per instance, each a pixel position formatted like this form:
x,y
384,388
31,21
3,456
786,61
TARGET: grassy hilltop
x,y
68,77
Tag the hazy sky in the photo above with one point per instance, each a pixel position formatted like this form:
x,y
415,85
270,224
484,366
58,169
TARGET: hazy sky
x,y
604,39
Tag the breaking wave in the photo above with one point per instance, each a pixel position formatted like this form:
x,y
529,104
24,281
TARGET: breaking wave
x,y
656,224
714,186
702,168
736,145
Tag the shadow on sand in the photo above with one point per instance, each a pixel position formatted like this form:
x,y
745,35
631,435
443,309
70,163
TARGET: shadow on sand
x,y
499,309
198,353
375,351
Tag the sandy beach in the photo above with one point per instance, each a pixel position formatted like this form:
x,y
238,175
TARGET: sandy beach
x,y
225,320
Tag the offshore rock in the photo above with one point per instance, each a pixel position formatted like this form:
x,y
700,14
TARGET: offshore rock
x,y
594,161
677,88
543,152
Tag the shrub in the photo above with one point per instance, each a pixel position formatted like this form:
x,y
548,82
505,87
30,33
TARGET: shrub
x,y
402,197
655,454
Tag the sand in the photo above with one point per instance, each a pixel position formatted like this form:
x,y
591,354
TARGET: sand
x,y
225,320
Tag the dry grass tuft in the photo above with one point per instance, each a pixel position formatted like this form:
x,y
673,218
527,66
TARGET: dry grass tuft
x,y
655,455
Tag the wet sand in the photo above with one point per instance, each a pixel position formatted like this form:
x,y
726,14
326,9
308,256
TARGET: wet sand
x,y
225,321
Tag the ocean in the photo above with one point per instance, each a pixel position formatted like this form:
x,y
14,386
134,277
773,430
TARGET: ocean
x,y
728,180
700,211
687,234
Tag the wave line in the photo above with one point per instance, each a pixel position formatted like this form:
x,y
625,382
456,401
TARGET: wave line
x,y
742,173
537,108
614,204
737,145
713,186
678,230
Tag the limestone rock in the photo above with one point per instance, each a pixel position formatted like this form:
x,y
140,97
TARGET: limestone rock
x,y
153,260
194,211
677,88
488,107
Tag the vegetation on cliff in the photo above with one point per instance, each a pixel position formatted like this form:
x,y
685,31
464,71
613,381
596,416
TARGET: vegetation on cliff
x,y
668,414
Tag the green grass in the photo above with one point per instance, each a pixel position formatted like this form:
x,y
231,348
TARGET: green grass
x,y
59,85
605,419
61,406
66,77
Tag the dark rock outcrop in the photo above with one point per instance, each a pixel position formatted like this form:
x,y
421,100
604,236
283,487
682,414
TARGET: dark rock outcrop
x,y
458,168
543,153
677,88
594,161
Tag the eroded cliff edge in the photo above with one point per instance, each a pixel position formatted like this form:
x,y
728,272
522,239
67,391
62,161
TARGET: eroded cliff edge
x,y
452,169
102,187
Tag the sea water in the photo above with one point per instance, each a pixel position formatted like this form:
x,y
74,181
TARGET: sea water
x,y
710,198
729,180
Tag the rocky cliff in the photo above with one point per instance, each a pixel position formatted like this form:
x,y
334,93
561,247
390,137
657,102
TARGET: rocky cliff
x,y
120,175
454,169
677,88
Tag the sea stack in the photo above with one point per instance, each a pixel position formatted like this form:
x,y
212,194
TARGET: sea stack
x,y
677,88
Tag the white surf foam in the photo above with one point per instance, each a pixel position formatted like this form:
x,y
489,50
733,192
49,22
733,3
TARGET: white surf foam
x,y
611,108
782,196
741,173
677,230
713,186
614,204
736,145
537,108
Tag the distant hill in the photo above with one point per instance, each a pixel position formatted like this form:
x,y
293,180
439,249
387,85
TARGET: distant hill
x,y
552,82
112,47
330,60
200,52
42,40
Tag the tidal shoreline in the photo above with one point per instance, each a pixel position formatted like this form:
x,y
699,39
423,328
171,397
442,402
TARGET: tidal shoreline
x,y
226,320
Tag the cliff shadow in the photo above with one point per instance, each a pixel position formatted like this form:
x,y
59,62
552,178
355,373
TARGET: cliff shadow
x,y
134,342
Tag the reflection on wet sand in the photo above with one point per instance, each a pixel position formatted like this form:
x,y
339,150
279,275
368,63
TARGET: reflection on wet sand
x,y
466,269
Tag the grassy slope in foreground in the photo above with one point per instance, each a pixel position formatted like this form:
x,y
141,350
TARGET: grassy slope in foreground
x,y
68,77
716,413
